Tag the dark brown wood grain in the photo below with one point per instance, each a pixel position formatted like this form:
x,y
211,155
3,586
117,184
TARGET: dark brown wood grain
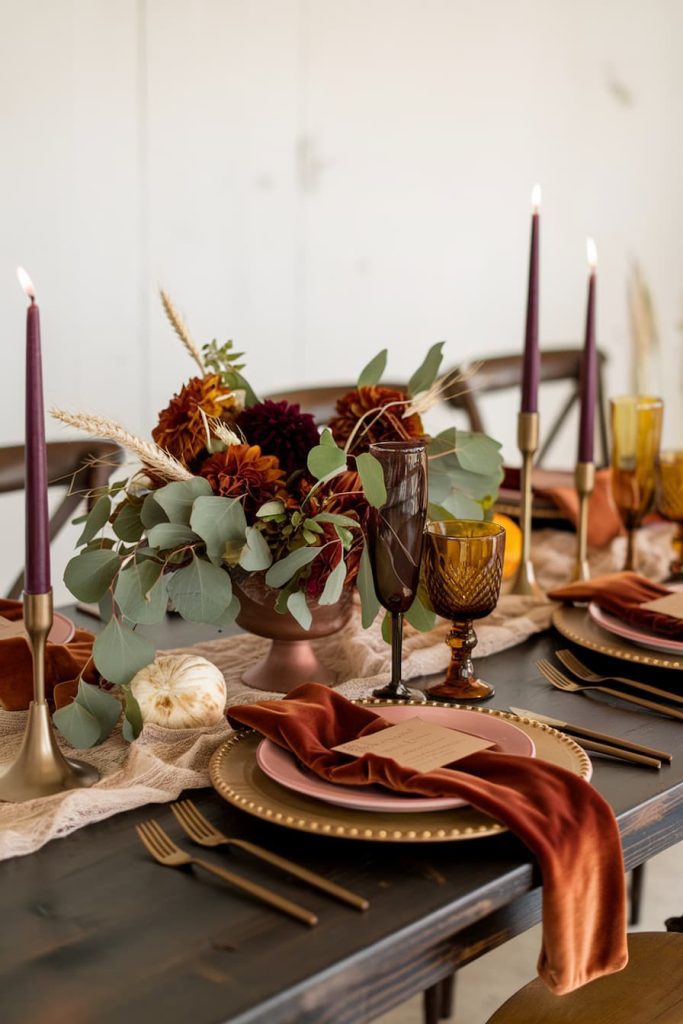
x,y
94,931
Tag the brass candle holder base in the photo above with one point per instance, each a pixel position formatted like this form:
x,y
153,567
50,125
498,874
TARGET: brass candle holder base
x,y
527,441
40,768
585,481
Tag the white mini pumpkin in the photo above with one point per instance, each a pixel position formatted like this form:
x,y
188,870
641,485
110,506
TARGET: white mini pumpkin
x,y
180,691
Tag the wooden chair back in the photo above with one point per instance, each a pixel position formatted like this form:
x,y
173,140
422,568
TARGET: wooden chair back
x,y
81,466
500,373
319,400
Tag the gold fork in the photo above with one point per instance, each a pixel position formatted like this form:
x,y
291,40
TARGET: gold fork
x,y
160,845
563,682
201,831
570,661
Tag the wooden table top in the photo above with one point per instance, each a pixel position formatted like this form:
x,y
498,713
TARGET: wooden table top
x,y
94,931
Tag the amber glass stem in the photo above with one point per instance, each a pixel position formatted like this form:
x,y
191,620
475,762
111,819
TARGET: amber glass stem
x,y
631,535
676,563
462,640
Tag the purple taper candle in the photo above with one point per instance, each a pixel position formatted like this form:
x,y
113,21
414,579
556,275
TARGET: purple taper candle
x,y
589,365
532,356
37,567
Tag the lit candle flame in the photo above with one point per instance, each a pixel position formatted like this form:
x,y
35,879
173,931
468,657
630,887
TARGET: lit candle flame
x,y
591,253
26,283
536,198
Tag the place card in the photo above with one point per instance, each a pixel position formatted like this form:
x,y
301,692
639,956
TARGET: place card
x,y
417,744
672,605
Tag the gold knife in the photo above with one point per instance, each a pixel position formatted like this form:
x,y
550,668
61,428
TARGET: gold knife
x,y
601,740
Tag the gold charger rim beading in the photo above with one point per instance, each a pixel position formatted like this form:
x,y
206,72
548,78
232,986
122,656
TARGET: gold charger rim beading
x,y
237,779
576,625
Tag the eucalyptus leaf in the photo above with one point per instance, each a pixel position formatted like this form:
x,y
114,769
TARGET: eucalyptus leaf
x,y
372,478
200,591
298,608
78,726
151,514
218,521
338,520
169,536
132,722
256,554
460,506
119,653
141,592
128,525
89,574
478,453
386,628
326,458
345,536
425,375
366,589
372,373
95,520
227,617
334,584
177,498
271,508
420,617
282,572
104,706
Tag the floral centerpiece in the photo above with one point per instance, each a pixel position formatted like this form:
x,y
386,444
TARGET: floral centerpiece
x,y
232,488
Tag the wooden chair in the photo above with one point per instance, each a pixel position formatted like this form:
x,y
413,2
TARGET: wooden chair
x,y
648,989
503,373
80,466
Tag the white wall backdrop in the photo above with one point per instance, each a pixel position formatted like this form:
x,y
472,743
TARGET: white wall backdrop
x,y
320,178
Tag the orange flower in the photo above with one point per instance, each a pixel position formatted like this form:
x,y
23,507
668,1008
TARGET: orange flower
x,y
382,418
181,429
242,471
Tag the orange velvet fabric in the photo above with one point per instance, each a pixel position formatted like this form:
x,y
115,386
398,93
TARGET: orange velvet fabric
x,y
623,594
566,824
63,665
604,523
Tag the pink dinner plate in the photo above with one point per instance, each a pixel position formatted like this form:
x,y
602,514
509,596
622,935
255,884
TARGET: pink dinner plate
x,y
62,630
282,767
637,636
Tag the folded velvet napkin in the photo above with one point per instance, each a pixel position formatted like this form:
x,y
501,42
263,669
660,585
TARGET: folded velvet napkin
x,y
566,824
559,488
64,664
623,594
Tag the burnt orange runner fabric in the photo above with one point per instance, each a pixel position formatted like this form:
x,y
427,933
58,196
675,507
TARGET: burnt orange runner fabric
x,y
566,824
63,665
623,594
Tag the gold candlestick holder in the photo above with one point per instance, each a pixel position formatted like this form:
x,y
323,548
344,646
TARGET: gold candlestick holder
x,y
585,481
40,768
527,441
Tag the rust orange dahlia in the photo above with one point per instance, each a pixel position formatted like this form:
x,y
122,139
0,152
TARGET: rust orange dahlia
x,y
181,430
242,471
382,420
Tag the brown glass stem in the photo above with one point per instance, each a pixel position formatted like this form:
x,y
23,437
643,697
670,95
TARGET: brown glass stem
x,y
631,535
461,683
397,689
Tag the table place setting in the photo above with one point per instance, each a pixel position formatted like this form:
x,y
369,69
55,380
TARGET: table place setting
x,y
248,513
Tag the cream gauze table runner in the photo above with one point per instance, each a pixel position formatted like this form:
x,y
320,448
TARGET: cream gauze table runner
x,y
161,763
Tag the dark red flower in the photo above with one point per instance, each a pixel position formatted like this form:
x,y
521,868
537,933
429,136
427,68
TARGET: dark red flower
x,y
280,429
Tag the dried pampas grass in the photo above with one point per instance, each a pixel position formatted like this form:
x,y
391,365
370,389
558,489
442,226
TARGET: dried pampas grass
x,y
154,458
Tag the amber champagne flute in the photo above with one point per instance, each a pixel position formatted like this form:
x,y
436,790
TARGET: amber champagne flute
x,y
669,500
463,569
396,532
636,433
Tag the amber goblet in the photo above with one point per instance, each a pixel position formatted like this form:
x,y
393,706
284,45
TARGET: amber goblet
x,y
636,432
395,534
462,570
669,500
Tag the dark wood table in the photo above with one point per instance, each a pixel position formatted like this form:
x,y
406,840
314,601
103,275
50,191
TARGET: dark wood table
x,y
94,931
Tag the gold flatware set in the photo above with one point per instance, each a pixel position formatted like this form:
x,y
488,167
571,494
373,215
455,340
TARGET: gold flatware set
x,y
166,852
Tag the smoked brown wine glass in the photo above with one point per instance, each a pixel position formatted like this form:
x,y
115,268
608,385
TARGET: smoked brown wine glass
x,y
395,534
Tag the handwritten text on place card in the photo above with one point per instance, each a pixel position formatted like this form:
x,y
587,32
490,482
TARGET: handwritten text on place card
x,y
417,744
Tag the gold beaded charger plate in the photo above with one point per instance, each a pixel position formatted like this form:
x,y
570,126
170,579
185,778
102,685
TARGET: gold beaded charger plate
x,y
236,777
576,624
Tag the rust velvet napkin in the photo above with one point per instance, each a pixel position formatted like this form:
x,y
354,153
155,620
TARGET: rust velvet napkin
x,y
622,594
63,665
566,824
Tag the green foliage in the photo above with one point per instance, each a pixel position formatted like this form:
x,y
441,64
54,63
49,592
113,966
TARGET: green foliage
x,y
78,726
463,490
169,536
337,519
282,572
218,521
334,584
326,458
95,520
177,498
425,375
255,554
151,514
372,478
128,525
200,591
270,509
366,589
89,574
132,722
420,617
298,608
221,359
372,373
141,592
119,652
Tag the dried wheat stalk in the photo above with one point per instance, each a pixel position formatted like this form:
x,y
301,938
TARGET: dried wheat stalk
x,y
156,459
180,327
